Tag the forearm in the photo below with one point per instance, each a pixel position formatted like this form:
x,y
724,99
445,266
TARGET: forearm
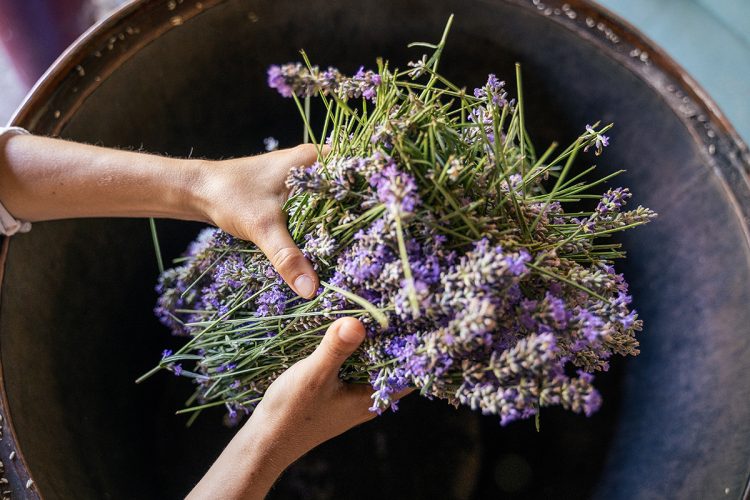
x,y
248,466
45,179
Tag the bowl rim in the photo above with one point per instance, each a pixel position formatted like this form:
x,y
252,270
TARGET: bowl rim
x,y
101,49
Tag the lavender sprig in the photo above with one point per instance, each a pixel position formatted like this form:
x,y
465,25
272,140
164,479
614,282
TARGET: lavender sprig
x,y
478,272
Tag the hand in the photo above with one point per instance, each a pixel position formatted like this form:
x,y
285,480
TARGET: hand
x,y
307,405
244,197
310,397
47,179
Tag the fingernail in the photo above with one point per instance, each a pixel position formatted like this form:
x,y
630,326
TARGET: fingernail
x,y
304,285
349,335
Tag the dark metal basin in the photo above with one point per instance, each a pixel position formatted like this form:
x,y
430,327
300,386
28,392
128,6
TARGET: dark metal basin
x,y
189,77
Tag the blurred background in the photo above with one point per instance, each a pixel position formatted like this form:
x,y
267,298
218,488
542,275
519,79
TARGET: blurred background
x,y
709,38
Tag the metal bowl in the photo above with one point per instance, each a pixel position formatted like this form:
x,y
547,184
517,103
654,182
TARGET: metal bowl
x,y
186,77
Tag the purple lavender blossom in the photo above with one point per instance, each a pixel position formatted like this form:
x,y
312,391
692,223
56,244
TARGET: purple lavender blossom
x,y
306,178
494,89
292,79
277,81
396,189
600,140
275,301
613,200
517,262
295,79
591,326
472,282
366,83
225,367
557,310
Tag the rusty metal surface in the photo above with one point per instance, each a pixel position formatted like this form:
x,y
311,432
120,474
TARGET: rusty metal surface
x,y
79,71
172,76
14,477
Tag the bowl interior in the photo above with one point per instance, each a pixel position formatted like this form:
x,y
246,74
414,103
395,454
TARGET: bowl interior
x,y
76,326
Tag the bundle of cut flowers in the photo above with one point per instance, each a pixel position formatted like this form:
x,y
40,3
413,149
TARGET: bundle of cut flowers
x,y
481,269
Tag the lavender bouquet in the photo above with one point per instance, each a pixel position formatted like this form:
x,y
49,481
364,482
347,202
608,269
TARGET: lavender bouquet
x,y
433,220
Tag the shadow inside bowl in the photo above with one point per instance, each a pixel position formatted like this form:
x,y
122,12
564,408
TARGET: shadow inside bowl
x,y
76,327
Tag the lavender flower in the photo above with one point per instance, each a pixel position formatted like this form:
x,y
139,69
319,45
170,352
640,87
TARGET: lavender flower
x,y
294,79
600,140
473,282
494,90
613,200
396,189
419,67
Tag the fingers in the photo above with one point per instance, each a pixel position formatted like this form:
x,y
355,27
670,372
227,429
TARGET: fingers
x,y
288,260
343,337
304,154
274,239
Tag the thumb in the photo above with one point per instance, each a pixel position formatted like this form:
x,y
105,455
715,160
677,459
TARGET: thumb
x,y
343,337
289,261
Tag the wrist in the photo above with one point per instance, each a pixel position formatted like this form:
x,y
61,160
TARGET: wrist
x,y
248,467
191,189
263,443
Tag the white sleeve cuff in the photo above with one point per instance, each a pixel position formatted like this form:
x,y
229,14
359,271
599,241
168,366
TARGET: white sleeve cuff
x,y
9,225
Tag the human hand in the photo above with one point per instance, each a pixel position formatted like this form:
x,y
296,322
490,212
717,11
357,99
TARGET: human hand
x,y
244,197
307,405
310,396
48,179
